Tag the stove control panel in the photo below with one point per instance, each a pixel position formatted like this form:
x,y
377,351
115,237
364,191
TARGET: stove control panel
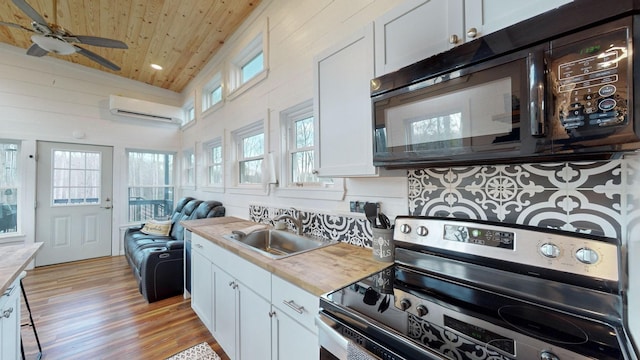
x,y
572,253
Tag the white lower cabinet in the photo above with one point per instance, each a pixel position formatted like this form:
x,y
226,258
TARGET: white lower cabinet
x,y
10,322
295,336
253,314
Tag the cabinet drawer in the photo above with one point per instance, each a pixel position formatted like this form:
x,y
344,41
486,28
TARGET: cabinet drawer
x,y
249,274
295,302
203,246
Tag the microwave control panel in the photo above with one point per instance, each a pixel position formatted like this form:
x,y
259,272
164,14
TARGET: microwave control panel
x,y
590,84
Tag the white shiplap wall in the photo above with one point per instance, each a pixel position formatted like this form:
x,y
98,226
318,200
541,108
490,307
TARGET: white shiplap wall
x,y
49,99
297,31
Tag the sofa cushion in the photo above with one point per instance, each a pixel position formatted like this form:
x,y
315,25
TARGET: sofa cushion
x,y
157,227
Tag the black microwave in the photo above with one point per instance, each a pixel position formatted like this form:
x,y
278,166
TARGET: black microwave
x,y
570,97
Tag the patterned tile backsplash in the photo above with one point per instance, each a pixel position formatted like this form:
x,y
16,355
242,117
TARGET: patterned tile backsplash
x,y
584,197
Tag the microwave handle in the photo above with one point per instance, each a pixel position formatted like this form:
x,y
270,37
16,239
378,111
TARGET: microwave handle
x,y
535,63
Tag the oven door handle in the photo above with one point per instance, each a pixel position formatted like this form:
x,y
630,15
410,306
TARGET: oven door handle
x,y
338,345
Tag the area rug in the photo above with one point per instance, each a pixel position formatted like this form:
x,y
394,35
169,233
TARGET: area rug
x,y
197,352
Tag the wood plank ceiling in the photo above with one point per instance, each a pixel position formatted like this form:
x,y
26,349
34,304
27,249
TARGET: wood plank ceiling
x,y
181,36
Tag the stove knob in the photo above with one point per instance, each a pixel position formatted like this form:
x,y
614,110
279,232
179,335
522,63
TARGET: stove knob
x,y
547,355
422,231
405,228
405,304
587,256
422,310
550,250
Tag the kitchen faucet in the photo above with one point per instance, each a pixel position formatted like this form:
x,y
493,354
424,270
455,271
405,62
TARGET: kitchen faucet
x,y
297,221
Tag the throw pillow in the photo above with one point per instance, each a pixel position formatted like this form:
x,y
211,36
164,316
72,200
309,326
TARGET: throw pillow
x,y
157,227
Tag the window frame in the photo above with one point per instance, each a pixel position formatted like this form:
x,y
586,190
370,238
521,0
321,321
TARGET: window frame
x,y
238,136
189,113
188,166
288,118
17,185
171,187
208,162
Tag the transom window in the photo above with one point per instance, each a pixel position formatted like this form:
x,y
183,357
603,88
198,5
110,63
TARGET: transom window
x,y
212,92
76,177
252,68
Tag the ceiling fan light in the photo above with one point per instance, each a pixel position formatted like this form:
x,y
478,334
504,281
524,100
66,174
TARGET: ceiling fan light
x,y
53,45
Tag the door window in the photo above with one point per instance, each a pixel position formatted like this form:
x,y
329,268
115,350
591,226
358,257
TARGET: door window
x,y
76,177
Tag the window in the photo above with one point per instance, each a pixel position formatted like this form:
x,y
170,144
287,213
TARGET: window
x,y
150,187
189,167
9,187
76,177
189,113
212,92
298,136
248,65
214,162
250,147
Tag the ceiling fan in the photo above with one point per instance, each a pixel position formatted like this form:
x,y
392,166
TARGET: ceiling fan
x,y
54,38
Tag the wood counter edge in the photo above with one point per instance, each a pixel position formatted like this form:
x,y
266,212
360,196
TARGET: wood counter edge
x,y
31,251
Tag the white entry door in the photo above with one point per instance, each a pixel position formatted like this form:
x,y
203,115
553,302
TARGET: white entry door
x,y
73,210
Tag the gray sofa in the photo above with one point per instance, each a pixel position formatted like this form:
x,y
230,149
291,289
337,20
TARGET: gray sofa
x,y
157,260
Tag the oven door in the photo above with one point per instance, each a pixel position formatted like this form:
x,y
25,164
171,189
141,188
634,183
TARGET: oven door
x,y
491,111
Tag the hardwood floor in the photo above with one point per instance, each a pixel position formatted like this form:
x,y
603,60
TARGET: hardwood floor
x,y
92,310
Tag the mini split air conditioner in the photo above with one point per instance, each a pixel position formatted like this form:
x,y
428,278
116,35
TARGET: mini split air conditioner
x,y
141,109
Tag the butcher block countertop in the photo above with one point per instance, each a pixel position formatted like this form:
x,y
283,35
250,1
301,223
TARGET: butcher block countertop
x,y
15,259
317,271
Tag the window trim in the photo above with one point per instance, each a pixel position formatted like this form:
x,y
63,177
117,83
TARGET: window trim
x,y
207,163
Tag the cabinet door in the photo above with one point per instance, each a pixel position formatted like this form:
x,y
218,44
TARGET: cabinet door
x,y
487,16
254,335
10,323
225,310
292,341
415,30
343,107
202,288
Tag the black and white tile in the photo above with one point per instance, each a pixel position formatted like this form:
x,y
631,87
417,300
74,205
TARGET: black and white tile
x,y
584,197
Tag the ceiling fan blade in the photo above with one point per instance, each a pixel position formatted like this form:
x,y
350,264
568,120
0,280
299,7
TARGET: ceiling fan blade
x,y
97,58
35,50
30,12
99,41
15,26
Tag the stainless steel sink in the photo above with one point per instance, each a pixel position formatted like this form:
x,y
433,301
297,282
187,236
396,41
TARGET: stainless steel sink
x,y
278,244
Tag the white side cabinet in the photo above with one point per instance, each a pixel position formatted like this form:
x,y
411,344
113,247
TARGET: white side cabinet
x,y
232,297
418,29
294,332
343,107
202,280
10,323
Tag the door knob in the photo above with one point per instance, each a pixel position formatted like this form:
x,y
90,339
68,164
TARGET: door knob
x,y
472,33
453,39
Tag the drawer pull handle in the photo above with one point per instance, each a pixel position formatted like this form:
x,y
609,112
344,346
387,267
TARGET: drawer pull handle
x,y
292,304
199,246
7,313
8,291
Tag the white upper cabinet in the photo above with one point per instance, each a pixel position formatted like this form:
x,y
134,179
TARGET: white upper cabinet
x,y
415,30
343,107
418,29
483,17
